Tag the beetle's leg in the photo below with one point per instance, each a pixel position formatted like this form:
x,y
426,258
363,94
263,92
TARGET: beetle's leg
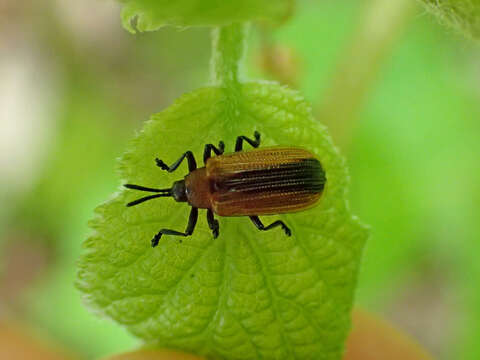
x,y
192,164
256,221
212,223
192,221
207,152
255,143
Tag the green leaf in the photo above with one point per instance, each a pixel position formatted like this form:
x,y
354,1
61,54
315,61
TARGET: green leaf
x,y
247,294
149,15
461,15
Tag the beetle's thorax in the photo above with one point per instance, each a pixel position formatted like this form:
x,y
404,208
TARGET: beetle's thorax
x,y
197,186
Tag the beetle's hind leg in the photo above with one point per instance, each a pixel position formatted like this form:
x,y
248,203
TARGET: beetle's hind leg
x,y
192,164
256,221
207,152
212,223
254,143
192,221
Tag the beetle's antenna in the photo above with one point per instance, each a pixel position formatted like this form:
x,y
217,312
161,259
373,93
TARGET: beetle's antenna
x,y
146,198
143,188
162,193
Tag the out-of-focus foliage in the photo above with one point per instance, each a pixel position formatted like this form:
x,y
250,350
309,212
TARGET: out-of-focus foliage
x,y
149,15
462,15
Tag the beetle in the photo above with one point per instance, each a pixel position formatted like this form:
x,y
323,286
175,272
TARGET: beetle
x,y
265,181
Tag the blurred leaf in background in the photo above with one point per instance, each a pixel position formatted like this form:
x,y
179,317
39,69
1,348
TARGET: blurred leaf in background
x,y
149,15
461,15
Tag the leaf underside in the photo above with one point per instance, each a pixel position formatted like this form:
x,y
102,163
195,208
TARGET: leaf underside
x,y
149,15
247,294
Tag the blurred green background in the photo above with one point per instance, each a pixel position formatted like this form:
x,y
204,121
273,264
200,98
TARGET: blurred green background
x,y
400,94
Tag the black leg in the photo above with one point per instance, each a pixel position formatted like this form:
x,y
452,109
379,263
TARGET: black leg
x,y
192,221
256,221
207,153
255,143
212,223
192,164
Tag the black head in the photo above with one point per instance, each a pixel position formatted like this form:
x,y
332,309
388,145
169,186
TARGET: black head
x,y
178,192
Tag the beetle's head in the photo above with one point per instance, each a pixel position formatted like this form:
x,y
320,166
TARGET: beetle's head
x,y
176,192
179,191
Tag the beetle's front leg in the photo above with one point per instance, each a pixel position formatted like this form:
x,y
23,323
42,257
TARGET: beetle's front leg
x,y
192,164
192,221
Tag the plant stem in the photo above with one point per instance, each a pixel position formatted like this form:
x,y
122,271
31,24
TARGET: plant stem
x,y
228,48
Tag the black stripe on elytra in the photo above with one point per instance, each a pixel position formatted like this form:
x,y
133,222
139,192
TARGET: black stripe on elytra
x,y
304,175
